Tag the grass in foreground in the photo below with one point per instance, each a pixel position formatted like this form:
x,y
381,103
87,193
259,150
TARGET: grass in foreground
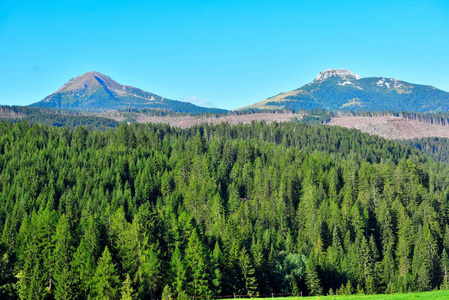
x,y
434,295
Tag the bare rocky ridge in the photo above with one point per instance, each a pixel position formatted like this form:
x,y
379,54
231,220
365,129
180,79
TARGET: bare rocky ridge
x,y
342,73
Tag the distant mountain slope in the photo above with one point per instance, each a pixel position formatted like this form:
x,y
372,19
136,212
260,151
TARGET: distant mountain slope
x,y
96,91
339,89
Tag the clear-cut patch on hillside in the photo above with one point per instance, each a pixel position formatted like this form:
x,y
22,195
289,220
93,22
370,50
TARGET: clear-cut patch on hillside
x,y
392,127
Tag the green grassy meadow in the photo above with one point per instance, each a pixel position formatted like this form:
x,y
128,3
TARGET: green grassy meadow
x,y
434,295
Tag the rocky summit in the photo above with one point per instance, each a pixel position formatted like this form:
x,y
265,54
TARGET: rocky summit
x,y
342,73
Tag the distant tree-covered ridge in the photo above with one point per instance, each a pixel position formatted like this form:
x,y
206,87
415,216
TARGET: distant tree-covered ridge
x,y
146,211
57,118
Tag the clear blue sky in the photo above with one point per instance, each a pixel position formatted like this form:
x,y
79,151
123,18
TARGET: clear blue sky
x,y
225,54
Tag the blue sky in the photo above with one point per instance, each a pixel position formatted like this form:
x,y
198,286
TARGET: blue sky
x,y
225,54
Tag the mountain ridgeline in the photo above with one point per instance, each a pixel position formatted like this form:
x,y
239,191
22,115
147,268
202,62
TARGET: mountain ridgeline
x,y
339,89
151,211
333,89
94,91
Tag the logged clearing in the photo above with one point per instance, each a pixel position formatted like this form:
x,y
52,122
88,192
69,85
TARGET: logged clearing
x,y
392,127
434,295
189,121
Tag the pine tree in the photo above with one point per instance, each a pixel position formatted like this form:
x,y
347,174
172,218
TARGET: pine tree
x,y
45,231
294,288
148,273
445,270
348,290
403,252
36,289
196,262
232,277
63,253
216,267
126,240
8,259
446,238
37,256
83,270
127,292
178,272
167,293
25,256
312,280
424,259
368,266
105,280
215,222
91,238
247,269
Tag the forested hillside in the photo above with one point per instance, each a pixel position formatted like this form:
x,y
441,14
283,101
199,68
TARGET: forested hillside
x,y
146,211
435,147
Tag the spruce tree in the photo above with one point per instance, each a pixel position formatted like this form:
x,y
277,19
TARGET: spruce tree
x,y
196,262
445,270
83,270
178,272
232,275
148,273
105,281
46,228
33,276
294,288
368,266
424,259
126,291
312,280
216,269
248,275
63,254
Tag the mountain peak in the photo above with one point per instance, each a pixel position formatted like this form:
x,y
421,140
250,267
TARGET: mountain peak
x,y
340,89
96,91
90,81
342,73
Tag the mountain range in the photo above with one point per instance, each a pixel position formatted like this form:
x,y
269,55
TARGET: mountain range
x,y
333,89
96,91
340,89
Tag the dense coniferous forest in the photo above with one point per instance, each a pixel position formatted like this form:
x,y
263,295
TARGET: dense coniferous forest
x,y
151,211
71,122
435,147
54,117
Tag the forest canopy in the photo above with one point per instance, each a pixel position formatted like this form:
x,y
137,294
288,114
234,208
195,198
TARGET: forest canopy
x,y
146,211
